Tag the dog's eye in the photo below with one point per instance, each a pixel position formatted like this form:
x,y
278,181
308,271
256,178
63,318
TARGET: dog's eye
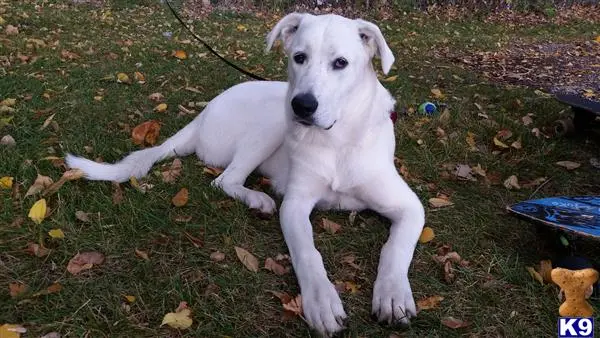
x,y
299,58
340,63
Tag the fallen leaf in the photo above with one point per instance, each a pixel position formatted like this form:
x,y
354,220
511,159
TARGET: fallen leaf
x,y
11,30
180,319
37,213
294,305
9,102
117,195
437,202
84,261
217,256
479,170
51,335
464,172
499,143
569,165
41,182
241,28
429,302
161,108
146,132
53,288
16,289
173,171
8,140
390,79
139,77
181,198
212,171
249,261
11,330
427,235
517,144
123,78
437,93
65,54
82,216
56,233
454,323
156,97
470,139
527,120
276,268
6,182
180,54
37,250
546,270
535,275
142,254
512,183
330,226
182,218
129,299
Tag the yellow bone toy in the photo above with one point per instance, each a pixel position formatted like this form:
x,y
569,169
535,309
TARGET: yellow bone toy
x,y
575,283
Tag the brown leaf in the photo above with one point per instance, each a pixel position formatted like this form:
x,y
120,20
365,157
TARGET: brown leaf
x,y
146,133
142,254
546,270
512,183
180,54
517,144
569,165
53,288
197,242
349,259
276,268
82,216
212,171
16,289
37,250
117,195
437,202
181,198
156,97
429,302
527,120
249,261
294,305
40,183
217,256
478,170
69,175
65,54
535,275
454,323
84,261
173,171
330,226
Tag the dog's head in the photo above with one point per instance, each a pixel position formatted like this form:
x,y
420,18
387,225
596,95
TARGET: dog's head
x,y
329,62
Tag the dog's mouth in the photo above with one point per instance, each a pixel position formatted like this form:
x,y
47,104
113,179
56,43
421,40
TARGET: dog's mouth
x,y
310,123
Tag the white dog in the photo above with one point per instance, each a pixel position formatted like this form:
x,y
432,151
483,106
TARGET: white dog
x,y
325,139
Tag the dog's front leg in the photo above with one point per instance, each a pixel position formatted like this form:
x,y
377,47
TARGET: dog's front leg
x,y
322,306
392,296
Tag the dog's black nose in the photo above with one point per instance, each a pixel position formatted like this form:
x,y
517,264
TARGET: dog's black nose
x,y
304,105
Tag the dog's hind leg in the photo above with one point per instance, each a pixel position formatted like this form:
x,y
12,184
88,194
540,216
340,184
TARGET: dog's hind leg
x,y
232,180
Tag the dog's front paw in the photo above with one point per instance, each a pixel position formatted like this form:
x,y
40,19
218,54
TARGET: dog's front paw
x,y
323,309
393,301
260,201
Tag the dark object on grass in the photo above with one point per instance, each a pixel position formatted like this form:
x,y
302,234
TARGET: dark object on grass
x,y
584,110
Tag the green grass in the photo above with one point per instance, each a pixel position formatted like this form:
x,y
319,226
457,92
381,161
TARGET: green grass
x,y
92,304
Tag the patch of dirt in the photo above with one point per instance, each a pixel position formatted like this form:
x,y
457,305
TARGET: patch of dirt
x,y
572,68
590,14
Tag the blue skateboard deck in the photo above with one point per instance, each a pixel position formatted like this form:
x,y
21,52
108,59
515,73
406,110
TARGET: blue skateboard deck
x,y
578,215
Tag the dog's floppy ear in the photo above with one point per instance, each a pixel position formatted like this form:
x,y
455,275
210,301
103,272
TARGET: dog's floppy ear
x,y
375,42
284,29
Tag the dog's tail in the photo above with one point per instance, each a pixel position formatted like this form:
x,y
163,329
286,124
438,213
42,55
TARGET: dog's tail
x,y
139,162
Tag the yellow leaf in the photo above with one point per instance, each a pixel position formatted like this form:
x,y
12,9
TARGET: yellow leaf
x,y
123,78
6,182
161,108
178,320
181,198
8,102
249,261
535,275
98,98
180,54
241,28
37,213
429,302
597,39
390,79
426,235
437,93
11,331
499,143
471,140
56,233
2,21
130,299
